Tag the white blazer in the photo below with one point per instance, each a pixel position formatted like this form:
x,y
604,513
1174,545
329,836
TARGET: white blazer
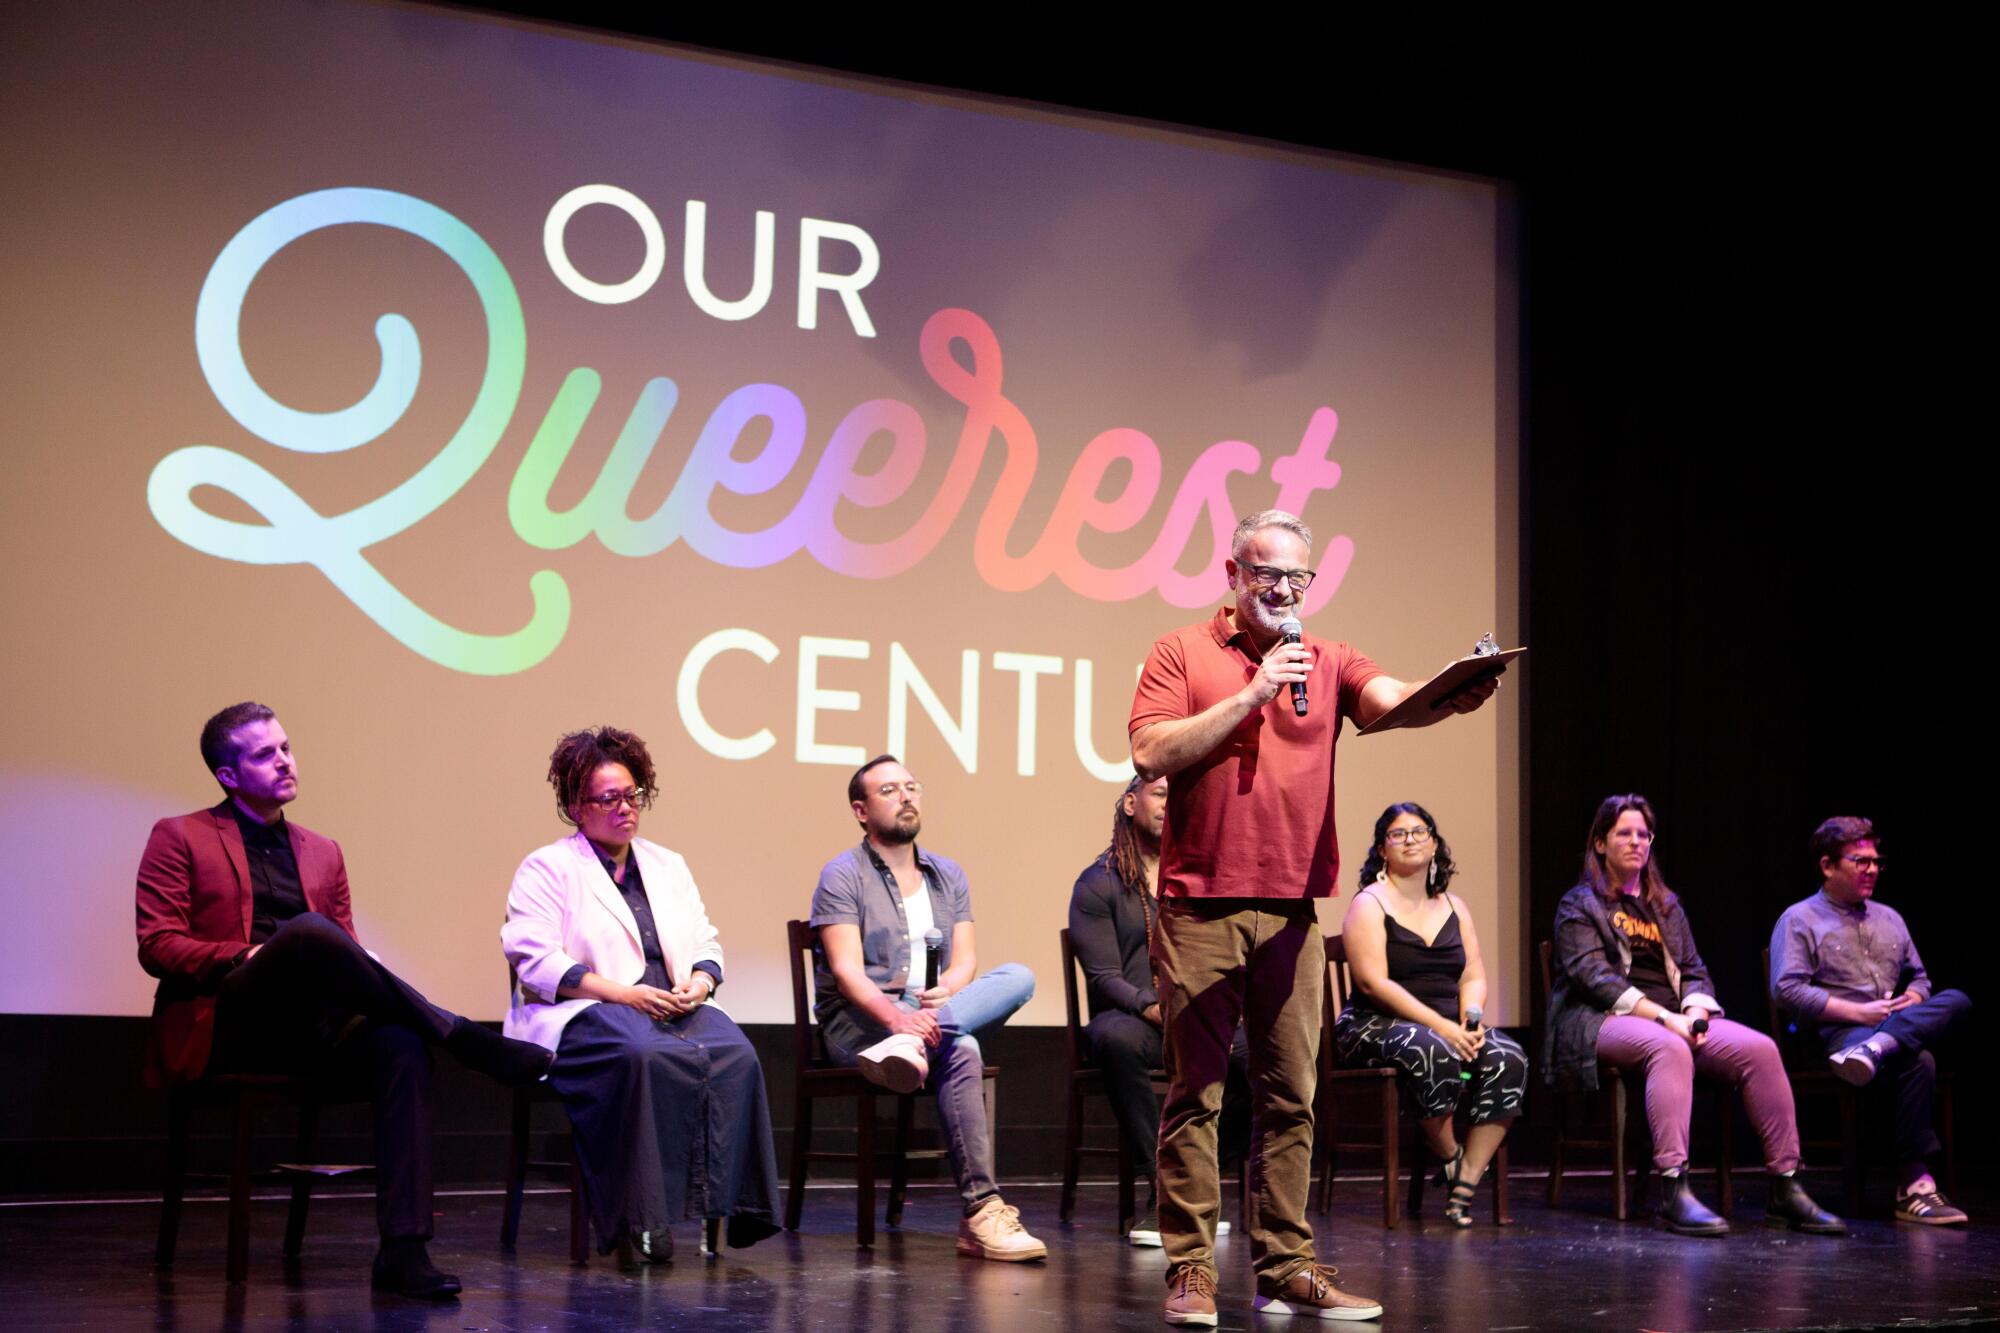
x,y
564,910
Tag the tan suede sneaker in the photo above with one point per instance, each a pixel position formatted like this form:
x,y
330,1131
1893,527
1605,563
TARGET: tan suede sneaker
x,y
1191,1296
1311,1292
995,1232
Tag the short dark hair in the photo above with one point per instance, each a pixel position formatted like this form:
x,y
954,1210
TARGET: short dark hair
x,y
1829,838
1441,862
215,733
582,753
856,791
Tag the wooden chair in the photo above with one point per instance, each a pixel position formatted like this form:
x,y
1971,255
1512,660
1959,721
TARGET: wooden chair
x,y
1617,1124
1806,1066
817,1077
1087,1079
241,1095
518,1163
1380,1083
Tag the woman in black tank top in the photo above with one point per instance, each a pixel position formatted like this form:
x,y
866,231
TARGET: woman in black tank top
x,y
1418,980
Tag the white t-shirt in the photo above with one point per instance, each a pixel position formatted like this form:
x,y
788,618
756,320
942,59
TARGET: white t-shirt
x,y
917,912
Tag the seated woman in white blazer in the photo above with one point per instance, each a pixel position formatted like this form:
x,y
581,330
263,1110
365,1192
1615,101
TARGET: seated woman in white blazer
x,y
617,962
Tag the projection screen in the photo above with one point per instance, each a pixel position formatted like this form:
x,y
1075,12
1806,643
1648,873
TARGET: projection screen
x,y
449,383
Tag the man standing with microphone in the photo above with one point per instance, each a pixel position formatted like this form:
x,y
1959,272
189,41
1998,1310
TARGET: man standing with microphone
x,y
1241,713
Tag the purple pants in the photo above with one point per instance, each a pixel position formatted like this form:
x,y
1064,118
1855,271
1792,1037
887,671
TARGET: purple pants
x,y
1732,1054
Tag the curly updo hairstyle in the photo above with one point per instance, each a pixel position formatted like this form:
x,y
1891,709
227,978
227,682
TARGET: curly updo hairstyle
x,y
582,753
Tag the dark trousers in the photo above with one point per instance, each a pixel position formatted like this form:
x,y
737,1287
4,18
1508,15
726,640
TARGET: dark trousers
x,y
313,1002
671,1122
1909,1077
1129,1049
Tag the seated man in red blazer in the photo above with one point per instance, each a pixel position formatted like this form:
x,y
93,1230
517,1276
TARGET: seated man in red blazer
x,y
244,918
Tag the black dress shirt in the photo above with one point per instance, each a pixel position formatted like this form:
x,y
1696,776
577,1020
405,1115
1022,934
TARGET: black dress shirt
x,y
275,892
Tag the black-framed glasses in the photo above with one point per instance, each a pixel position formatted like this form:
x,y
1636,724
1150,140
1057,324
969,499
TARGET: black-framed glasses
x,y
639,798
1416,837
1267,576
1864,862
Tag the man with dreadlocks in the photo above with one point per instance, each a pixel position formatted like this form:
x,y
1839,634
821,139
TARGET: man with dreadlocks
x,y
1111,928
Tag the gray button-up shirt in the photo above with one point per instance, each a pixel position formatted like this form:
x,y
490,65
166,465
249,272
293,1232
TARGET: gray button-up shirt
x,y
857,888
1821,949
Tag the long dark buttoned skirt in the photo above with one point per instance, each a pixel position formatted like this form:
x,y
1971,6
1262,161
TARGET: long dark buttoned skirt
x,y
671,1122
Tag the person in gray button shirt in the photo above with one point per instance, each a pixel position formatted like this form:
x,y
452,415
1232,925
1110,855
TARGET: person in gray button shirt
x,y
874,905
1846,968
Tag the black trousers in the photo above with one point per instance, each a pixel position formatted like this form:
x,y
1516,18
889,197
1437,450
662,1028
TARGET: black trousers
x,y
1128,1048
313,1002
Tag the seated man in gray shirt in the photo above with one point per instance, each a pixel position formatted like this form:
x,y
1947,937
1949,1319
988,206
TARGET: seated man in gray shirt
x,y
873,907
1846,968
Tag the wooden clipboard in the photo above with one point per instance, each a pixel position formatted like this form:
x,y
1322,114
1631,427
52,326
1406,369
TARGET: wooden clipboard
x,y
1438,690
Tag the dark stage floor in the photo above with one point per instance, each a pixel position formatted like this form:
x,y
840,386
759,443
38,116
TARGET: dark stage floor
x,y
90,1265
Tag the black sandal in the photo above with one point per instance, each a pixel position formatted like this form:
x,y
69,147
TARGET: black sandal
x,y
1458,1204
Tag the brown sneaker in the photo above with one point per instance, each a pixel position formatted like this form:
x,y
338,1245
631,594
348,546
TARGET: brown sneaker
x,y
1191,1296
1310,1291
995,1232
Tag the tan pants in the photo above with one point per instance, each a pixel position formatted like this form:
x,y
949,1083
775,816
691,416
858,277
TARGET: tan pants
x,y
1216,960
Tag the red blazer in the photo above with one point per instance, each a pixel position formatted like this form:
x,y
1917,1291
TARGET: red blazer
x,y
194,903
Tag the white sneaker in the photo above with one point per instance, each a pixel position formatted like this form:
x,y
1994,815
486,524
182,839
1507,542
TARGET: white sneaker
x,y
897,1063
1855,1065
995,1232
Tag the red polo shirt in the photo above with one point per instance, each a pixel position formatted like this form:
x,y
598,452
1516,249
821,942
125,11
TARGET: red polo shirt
x,y
1254,817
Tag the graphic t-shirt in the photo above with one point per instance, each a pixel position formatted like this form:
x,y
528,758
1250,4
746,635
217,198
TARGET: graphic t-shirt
x,y
1649,955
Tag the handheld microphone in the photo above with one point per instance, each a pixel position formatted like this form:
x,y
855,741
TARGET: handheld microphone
x,y
1699,1026
1474,1016
1293,631
933,950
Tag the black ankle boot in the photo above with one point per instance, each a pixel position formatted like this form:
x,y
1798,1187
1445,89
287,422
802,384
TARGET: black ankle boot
x,y
1790,1206
1680,1211
508,1062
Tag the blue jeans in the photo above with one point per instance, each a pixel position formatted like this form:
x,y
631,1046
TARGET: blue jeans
x,y
957,1070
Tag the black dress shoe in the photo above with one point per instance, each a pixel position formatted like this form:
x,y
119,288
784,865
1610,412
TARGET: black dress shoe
x,y
1681,1212
508,1062
1790,1206
404,1267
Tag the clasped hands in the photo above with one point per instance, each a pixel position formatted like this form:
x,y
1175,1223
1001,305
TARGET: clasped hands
x,y
655,1003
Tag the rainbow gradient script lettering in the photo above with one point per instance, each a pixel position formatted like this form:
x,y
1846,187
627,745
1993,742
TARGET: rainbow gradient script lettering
x,y
294,533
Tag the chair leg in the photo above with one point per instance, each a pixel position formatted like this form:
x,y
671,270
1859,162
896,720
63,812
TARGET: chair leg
x,y
711,1236
1128,1193
1850,1149
1501,1216
1947,1109
1324,1154
1073,1153
802,1120
1418,1161
179,1108
1392,1133
302,1182
1243,1194
1619,1208
864,1170
899,1170
1556,1152
579,1210
237,1266
1725,1182
517,1172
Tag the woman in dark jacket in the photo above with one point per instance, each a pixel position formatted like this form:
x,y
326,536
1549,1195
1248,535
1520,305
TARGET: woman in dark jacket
x,y
1630,988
